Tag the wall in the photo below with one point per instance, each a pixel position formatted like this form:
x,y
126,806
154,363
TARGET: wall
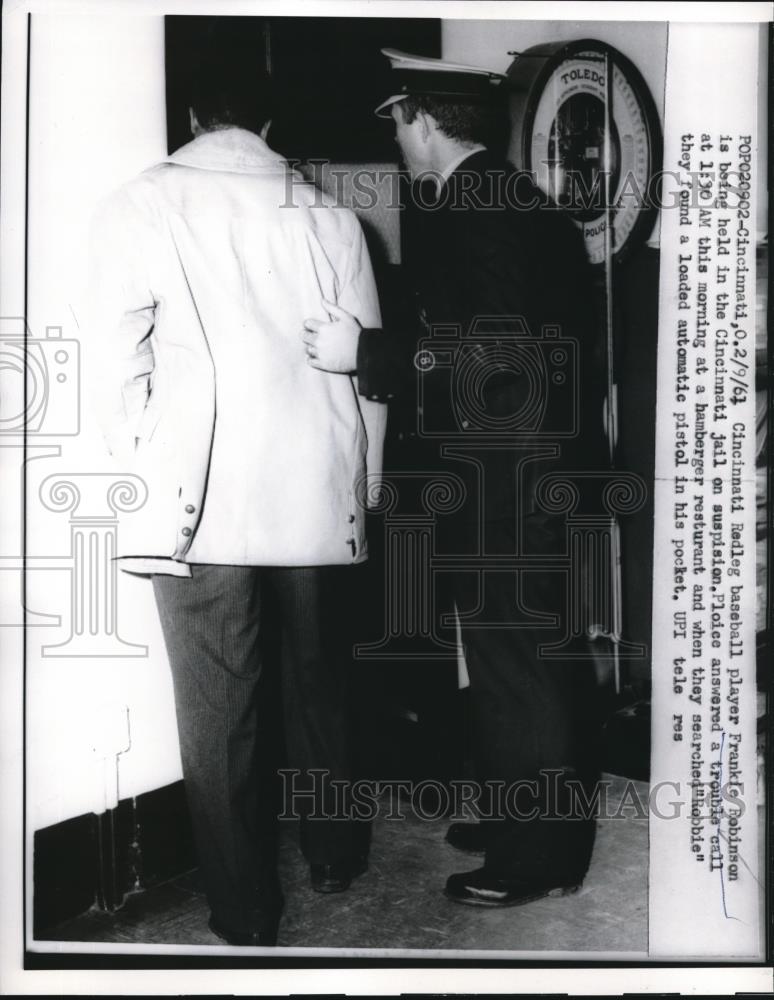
x,y
100,718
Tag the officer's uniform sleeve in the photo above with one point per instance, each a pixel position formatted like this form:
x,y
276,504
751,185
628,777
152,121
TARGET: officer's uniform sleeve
x,y
383,364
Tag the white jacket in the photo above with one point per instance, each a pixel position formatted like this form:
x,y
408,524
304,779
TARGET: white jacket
x,y
204,268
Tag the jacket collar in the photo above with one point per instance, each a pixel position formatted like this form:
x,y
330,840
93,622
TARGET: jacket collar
x,y
233,149
459,162
475,162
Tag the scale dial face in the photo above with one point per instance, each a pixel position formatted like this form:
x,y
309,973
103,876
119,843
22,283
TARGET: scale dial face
x,y
571,143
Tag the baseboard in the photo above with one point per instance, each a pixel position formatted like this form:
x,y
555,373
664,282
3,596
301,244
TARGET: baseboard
x,y
64,871
95,860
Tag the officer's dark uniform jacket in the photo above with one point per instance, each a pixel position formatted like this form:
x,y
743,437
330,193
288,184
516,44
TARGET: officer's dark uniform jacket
x,y
506,284
502,283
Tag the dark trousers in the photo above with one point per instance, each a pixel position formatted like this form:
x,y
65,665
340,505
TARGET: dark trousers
x,y
533,717
214,627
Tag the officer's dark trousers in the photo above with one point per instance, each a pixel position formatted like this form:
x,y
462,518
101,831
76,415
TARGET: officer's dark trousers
x,y
214,626
533,716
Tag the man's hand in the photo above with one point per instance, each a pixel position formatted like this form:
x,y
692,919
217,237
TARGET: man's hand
x,y
332,346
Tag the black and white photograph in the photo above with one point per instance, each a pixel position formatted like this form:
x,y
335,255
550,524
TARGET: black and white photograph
x,y
386,436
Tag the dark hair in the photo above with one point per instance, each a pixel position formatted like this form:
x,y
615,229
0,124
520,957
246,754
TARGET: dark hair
x,y
471,121
227,93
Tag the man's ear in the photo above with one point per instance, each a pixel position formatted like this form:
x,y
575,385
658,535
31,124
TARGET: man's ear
x,y
265,129
426,125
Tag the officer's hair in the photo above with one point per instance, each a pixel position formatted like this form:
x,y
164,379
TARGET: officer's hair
x,y
481,121
231,93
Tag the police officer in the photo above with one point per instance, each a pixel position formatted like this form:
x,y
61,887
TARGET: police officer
x,y
502,274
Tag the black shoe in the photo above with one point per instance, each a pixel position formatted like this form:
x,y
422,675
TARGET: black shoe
x,y
468,837
481,888
337,877
264,938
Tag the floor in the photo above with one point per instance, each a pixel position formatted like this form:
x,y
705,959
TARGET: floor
x,y
398,903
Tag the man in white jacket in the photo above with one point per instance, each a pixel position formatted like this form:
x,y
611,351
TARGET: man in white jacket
x,y
204,269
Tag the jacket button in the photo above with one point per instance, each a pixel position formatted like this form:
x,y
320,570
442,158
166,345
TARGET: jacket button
x,y
189,508
351,518
186,531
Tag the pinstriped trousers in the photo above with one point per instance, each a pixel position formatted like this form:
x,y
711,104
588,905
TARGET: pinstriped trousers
x,y
214,629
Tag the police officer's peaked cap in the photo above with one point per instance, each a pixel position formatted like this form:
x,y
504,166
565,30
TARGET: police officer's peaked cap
x,y
422,75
